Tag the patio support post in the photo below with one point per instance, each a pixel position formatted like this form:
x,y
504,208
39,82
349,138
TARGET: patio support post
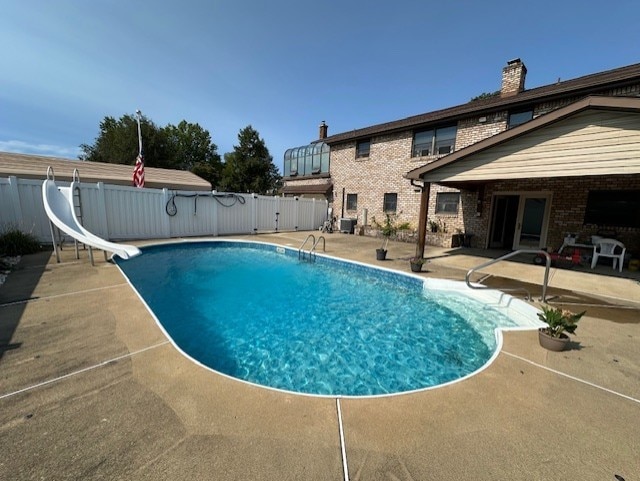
x,y
422,219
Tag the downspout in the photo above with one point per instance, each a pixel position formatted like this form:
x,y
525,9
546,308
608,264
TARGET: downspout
x,y
425,189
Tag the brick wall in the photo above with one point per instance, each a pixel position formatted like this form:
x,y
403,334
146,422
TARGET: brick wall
x,y
473,130
371,177
568,205
390,158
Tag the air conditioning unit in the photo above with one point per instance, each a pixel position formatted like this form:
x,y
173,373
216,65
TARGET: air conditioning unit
x,y
347,225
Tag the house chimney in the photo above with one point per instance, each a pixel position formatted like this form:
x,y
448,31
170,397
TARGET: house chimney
x,y
513,78
323,130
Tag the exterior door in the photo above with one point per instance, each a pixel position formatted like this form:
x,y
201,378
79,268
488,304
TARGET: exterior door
x,y
532,221
503,224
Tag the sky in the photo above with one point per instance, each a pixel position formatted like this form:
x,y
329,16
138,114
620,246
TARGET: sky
x,y
281,66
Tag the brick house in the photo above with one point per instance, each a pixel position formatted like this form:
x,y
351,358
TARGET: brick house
x,y
516,169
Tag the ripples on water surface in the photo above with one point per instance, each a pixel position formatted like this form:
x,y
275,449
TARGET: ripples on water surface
x,y
327,327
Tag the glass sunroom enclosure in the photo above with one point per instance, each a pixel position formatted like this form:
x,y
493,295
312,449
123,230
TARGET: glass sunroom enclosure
x,y
308,160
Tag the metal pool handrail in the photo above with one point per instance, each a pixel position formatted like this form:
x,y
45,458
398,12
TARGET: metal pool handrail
x,y
300,251
313,247
315,244
508,256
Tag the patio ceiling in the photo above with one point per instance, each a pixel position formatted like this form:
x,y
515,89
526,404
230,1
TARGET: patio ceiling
x,y
592,137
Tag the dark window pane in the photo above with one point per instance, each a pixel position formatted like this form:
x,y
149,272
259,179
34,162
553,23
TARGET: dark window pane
x,y
616,208
445,140
390,203
447,202
517,118
352,201
362,149
422,143
434,142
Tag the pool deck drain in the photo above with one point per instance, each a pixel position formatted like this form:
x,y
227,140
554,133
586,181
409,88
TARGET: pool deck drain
x,y
148,413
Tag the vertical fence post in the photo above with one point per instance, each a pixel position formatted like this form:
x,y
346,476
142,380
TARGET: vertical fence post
x,y
214,217
277,210
102,221
165,219
254,213
296,210
14,193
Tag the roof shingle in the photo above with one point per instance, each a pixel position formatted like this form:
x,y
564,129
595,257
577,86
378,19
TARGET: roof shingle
x,y
581,86
28,166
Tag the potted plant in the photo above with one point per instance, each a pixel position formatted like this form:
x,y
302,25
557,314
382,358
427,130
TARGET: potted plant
x,y
433,226
381,252
416,263
457,239
558,322
388,229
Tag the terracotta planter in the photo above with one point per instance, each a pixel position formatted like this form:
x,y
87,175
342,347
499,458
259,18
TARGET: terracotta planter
x,y
381,254
553,343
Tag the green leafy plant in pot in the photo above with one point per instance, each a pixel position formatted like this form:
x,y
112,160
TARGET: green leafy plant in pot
x,y
388,229
559,321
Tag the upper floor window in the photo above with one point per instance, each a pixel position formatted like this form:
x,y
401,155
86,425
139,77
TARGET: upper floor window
x,y
352,201
390,203
362,148
517,118
447,202
434,141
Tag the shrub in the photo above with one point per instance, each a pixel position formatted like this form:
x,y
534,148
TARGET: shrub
x,y
17,243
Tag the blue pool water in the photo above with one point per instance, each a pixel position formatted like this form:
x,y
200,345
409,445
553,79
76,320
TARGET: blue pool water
x,y
257,313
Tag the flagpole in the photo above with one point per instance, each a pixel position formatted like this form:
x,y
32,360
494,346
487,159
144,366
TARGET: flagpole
x,y
138,115
138,170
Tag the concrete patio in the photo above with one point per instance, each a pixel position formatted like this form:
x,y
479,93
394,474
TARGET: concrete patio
x,y
91,389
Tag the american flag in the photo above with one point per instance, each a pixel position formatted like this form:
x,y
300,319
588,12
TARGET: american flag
x,y
138,172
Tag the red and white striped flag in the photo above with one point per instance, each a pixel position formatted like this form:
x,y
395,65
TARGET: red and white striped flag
x,y
138,172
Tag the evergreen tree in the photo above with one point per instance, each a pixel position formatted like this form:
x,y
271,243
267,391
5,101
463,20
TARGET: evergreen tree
x,y
250,167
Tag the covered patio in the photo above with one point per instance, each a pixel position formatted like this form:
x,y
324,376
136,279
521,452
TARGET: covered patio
x,y
574,172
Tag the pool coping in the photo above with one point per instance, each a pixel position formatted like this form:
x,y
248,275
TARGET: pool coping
x,y
515,309
155,415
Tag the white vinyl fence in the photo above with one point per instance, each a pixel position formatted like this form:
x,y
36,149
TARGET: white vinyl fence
x,y
118,212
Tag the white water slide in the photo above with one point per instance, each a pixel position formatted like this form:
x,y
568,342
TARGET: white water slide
x,y
58,204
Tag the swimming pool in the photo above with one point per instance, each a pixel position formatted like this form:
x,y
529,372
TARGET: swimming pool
x,y
255,312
